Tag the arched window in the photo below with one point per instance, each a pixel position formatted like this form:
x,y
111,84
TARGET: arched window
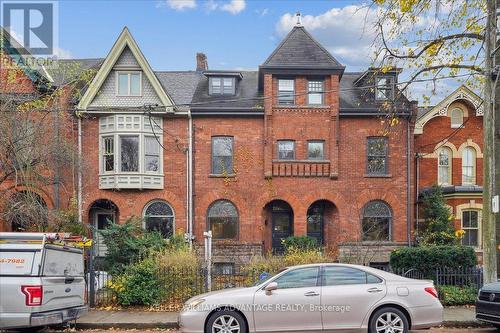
x,y
377,220
457,118
223,219
159,216
469,166
444,166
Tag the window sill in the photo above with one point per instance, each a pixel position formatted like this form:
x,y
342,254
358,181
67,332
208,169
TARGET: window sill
x,y
306,106
214,175
367,175
131,180
300,161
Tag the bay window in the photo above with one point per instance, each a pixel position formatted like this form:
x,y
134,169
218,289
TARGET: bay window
x,y
130,154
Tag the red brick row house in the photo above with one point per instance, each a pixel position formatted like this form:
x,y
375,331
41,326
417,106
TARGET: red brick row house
x,y
449,152
298,147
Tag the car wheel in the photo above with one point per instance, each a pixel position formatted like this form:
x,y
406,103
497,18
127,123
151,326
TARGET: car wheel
x,y
389,320
226,322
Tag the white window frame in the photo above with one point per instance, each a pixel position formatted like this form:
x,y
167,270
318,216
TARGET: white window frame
x,y
118,73
144,210
103,147
449,167
141,132
479,219
321,93
472,166
457,125
290,100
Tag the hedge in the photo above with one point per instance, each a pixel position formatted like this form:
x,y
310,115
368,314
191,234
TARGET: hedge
x,y
456,295
427,259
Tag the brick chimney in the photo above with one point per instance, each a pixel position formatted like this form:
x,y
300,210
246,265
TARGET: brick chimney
x,y
201,62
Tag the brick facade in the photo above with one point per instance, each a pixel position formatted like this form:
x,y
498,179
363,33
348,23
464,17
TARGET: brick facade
x,y
437,133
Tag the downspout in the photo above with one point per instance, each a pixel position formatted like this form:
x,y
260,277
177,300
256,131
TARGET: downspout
x,y
417,179
79,189
408,183
190,180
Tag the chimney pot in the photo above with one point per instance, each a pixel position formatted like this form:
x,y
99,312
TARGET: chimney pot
x,y
201,62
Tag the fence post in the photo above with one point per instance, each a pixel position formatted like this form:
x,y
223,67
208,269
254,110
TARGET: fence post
x,y
92,274
208,258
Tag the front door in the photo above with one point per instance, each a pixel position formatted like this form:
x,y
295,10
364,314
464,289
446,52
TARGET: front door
x,y
101,221
294,306
282,228
315,222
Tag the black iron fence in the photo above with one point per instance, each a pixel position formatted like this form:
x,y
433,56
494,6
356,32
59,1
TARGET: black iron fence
x,y
178,285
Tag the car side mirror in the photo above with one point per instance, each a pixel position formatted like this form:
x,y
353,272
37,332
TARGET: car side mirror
x,y
270,287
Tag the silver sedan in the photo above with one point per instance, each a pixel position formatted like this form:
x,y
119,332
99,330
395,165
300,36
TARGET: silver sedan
x,y
318,297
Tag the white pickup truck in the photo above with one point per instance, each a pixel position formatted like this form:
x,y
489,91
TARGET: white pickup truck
x,y
41,283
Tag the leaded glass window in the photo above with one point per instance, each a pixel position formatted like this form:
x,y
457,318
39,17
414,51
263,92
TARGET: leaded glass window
x,y
108,154
376,222
222,155
377,156
159,217
223,220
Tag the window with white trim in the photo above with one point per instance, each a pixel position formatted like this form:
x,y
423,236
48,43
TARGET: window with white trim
x,y
457,118
470,224
129,84
286,92
444,166
222,86
469,166
130,151
286,150
315,92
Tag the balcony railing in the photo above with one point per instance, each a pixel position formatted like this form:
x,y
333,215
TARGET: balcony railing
x,y
300,168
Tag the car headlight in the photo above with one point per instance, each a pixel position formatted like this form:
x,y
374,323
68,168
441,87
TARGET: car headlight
x,y
195,303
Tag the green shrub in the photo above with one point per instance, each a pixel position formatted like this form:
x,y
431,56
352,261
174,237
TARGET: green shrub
x,y
300,243
272,264
455,295
438,229
427,259
128,243
138,285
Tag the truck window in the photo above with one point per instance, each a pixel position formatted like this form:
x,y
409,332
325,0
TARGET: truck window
x,y
16,262
61,262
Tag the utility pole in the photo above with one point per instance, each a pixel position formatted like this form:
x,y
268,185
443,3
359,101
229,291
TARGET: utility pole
x,y
490,147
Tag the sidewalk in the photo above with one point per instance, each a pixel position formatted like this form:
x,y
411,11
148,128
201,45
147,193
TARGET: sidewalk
x,y
98,319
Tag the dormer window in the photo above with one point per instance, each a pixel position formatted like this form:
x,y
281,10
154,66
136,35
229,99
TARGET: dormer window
x,y
129,84
384,88
222,86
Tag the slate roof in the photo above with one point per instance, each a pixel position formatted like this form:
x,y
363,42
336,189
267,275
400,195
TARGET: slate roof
x,y
179,85
422,111
247,95
300,50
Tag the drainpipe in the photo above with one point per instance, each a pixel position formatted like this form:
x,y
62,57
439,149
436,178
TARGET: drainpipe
x,y
413,112
80,209
417,179
190,180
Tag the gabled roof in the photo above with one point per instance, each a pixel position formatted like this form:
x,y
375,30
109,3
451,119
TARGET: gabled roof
x,y
300,50
125,39
441,109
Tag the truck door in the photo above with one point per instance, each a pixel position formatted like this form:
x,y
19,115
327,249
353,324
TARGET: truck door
x,y
62,277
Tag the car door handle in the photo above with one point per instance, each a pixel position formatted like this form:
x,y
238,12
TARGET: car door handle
x,y
374,290
311,293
